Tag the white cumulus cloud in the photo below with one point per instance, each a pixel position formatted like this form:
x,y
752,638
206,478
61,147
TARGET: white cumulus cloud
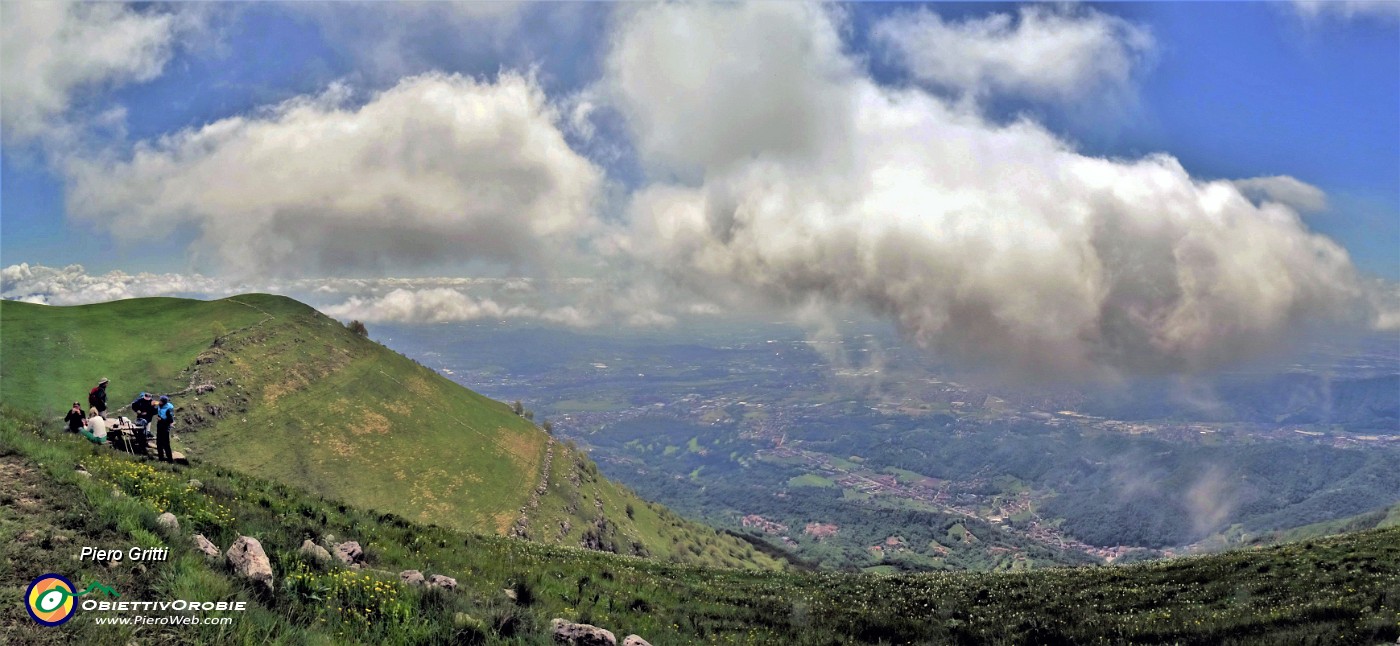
x,y
1048,53
51,52
438,169
1284,190
777,101
389,40
995,242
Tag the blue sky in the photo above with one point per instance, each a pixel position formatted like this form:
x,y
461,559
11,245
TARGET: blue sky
x,y
934,164
1235,90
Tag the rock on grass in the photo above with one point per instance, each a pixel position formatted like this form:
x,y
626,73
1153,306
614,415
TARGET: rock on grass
x,y
204,545
568,632
250,562
168,522
314,552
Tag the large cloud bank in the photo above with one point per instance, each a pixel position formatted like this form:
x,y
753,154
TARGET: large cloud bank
x,y
775,172
437,169
986,240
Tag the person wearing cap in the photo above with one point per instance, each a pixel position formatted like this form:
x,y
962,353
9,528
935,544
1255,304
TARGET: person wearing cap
x,y
144,408
97,397
165,417
74,419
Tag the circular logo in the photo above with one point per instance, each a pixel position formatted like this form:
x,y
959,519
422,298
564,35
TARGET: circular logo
x,y
49,599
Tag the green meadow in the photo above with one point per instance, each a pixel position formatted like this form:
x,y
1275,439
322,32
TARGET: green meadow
x,y
300,399
1336,590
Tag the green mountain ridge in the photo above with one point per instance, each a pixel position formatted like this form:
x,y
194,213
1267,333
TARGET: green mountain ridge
x,y
271,387
1336,590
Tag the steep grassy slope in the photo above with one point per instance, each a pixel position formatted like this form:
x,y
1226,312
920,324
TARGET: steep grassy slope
x,y
300,399
1338,590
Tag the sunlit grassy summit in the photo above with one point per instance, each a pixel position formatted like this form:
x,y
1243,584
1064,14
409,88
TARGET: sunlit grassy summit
x,y
271,387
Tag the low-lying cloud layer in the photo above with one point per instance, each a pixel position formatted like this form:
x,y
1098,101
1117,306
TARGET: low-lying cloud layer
x,y
73,285
575,302
442,305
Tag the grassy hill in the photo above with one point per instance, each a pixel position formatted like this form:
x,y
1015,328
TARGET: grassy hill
x,y
1336,590
300,399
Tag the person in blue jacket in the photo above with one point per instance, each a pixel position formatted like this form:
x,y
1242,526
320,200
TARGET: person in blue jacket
x,y
165,417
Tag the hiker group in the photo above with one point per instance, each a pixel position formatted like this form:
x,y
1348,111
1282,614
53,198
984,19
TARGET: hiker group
x,y
102,430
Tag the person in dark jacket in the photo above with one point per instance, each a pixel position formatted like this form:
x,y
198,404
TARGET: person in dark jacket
x,y
75,419
144,408
165,417
97,397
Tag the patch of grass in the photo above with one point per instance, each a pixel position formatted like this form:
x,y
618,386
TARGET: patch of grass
x,y
810,480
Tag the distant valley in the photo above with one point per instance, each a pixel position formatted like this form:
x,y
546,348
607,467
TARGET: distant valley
x,y
856,454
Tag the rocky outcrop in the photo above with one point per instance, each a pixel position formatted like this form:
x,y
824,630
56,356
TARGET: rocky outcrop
x,y
249,561
412,577
350,553
521,528
204,388
314,552
444,582
204,545
634,640
168,522
567,632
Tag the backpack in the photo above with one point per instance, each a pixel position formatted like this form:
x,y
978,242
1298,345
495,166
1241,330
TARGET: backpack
x,y
93,399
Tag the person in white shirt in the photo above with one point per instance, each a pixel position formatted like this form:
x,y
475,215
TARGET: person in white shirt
x,y
96,427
